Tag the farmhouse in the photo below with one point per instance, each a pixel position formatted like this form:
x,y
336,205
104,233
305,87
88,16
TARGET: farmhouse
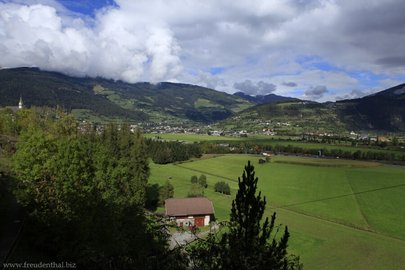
x,y
190,211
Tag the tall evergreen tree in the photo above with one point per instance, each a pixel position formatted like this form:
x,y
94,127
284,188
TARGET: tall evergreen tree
x,y
248,243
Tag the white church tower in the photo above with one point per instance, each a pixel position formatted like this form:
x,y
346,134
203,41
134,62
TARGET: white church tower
x,y
20,104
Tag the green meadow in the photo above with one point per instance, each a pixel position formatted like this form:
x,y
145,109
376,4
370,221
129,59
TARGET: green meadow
x,y
342,214
269,141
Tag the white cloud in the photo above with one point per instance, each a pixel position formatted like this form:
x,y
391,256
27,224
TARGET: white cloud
x,y
177,40
119,46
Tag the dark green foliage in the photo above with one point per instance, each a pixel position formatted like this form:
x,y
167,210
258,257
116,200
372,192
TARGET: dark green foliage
x,y
152,196
166,192
222,187
248,242
194,179
254,147
85,196
196,190
202,180
382,111
167,152
122,166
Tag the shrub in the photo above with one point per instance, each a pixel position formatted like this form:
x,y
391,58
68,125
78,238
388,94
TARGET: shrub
x,y
223,188
194,179
203,181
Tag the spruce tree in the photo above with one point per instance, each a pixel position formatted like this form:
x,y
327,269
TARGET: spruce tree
x,y
248,243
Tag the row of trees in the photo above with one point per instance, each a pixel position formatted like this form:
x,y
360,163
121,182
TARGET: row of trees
x,y
163,152
197,186
255,148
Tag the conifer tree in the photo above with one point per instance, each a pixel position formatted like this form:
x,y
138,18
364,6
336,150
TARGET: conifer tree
x,y
248,243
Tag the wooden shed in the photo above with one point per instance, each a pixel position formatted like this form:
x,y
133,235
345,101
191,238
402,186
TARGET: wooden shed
x,y
190,211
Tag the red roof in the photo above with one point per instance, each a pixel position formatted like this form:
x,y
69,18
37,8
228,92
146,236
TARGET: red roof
x,y
188,207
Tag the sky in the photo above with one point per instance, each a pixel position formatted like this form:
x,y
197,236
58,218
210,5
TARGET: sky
x,y
317,50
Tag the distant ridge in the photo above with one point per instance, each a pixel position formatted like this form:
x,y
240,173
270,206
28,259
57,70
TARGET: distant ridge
x,y
108,99
99,99
383,111
262,99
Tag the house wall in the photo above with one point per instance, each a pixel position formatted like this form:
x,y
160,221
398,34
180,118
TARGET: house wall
x,y
191,221
185,221
207,220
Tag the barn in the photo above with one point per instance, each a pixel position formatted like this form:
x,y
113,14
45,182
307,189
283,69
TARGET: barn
x,y
190,211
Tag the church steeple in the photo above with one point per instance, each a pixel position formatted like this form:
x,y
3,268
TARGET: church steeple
x,y
20,104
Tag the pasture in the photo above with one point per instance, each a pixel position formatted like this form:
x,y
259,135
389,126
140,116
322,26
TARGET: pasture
x,y
341,214
273,141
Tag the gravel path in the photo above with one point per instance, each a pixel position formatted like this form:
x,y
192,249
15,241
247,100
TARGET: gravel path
x,y
182,238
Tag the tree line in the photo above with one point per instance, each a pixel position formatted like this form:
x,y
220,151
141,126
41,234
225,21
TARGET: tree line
x,y
257,148
163,152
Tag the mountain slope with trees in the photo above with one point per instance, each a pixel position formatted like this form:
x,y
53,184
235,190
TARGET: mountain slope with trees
x,y
100,99
117,99
263,99
383,111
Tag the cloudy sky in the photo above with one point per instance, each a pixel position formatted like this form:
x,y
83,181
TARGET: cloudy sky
x,y
313,49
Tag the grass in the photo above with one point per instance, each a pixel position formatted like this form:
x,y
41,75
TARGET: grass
x,y
341,214
204,103
270,141
191,137
319,162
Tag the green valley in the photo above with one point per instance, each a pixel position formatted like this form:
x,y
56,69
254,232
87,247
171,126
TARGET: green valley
x,y
326,204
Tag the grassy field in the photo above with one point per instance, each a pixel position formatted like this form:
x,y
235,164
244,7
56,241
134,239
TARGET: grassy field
x,y
342,214
268,140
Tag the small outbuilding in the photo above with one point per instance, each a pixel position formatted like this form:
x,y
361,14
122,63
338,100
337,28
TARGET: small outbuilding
x,y
190,211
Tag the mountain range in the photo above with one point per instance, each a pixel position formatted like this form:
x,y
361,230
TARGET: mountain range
x,y
100,99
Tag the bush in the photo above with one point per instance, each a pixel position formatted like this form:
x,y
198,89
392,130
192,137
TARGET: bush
x,y
196,191
223,188
194,179
203,181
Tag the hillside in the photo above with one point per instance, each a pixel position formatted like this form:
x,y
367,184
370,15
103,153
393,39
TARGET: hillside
x,y
289,117
263,99
383,111
98,98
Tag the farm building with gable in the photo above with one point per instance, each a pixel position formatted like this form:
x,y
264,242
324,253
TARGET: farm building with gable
x,y
190,211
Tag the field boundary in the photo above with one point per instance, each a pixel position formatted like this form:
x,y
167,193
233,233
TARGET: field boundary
x,y
372,165
341,196
207,173
358,203
341,224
